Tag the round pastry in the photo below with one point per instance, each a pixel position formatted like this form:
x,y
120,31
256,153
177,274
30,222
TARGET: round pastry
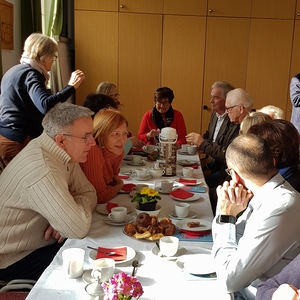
x,y
170,229
130,229
154,229
143,219
154,220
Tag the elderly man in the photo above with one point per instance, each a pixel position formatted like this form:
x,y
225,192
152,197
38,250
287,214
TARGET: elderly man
x,y
264,239
45,196
219,135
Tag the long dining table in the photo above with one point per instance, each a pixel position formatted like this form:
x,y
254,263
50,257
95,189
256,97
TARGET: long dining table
x,y
161,278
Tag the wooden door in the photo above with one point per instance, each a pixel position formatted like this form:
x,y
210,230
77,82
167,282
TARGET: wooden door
x,y
269,58
182,7
96,44
139,64
232,8
142,6
183,63
104,5
225,56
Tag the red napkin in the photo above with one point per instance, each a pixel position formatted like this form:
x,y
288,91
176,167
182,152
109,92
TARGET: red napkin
x,y
121,253
195,233
184,181
110,205
128,187
191,166
181,194
137,149
123,176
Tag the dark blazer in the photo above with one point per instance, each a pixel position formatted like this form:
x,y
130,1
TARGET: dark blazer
x,y
295,99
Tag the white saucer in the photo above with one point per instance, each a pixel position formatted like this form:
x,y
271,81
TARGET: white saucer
x,y
87,277
204,224
180,251
192,198
191,215
111,222
184,152
102,209
185,162
130,163
143,179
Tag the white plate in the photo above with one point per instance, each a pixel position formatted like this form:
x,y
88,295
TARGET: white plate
x,y
102,208
192,198
130,254
197,264
130,163
128,158
191,215
87,277
198,181
161,192
111,222
181,251
143,179
185,162
184,152
204,224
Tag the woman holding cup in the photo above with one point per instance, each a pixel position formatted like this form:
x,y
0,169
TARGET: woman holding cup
x,y
103,161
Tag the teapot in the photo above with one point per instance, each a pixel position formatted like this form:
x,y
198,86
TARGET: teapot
x,y
156,173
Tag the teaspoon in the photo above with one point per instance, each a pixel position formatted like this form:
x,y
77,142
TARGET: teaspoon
x,y
135,264
106,253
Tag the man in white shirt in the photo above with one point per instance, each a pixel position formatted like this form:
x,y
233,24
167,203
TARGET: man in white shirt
x,y
266,237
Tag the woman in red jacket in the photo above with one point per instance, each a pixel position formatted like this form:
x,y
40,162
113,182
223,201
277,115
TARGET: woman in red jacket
x,y
162,115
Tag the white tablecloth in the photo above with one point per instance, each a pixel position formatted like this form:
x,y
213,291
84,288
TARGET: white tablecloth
x,y
161,279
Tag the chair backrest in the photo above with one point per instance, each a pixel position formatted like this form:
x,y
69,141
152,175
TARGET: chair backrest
x,y
2,165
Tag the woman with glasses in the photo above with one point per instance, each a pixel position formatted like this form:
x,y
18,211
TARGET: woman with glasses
x,y
103,161
162,115
25,97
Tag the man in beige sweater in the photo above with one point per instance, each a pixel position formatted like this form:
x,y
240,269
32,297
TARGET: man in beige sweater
x,y
44,195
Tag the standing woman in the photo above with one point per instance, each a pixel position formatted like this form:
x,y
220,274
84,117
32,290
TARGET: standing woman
x,y
24,96
162,115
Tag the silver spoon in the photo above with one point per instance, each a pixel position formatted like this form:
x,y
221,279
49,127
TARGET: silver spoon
x,y
106,253
135,265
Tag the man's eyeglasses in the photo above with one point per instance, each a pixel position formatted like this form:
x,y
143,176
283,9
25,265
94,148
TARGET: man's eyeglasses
x,y
229,109
86,138
166,103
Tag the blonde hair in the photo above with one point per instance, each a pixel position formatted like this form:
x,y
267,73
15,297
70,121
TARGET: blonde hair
x,y
105,122
273,111
252,119
105,87
37,46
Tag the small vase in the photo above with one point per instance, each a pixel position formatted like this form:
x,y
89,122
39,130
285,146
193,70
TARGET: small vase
x,y
148,206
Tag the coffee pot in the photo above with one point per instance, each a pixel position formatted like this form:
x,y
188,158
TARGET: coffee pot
x,y
168,150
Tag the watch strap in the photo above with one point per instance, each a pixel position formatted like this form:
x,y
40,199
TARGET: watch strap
x,y
226,219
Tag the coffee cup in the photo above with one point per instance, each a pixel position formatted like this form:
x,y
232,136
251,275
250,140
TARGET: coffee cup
x,y
136,159
149,148
187,172
156,173
169,245
118,214
141,173
103,269
166,186
182,210
139,186
73,260
192,149
184,147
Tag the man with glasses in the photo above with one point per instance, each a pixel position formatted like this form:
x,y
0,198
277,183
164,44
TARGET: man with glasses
x,y
45,196
266,237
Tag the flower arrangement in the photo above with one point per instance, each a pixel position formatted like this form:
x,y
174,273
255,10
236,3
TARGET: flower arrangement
x,y
122,287
146,195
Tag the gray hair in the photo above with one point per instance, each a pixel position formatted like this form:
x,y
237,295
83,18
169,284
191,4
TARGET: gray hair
x,y
37,46
224,86
240,97
63,115
273,111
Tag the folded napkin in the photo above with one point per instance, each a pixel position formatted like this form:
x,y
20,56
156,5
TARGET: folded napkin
x,y
123,176
195,233
189,181
110,205
128,187
207,237
191,166
121,253
181,194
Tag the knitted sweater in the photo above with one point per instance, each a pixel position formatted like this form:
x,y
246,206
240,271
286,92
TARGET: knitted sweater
x,y
35,191
100,167
24,102
147,124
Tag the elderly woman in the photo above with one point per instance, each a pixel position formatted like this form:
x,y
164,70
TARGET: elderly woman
x,y
24,96
253,118
162,115
103,162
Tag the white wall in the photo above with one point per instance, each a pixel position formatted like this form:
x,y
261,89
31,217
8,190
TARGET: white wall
x,y
12,57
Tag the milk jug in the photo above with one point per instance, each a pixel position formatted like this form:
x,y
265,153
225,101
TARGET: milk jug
x,y
168,150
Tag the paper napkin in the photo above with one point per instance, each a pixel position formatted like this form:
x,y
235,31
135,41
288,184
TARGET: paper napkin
x,y
123,176
121,253
181,194
185,181
191,166
110,205
194,238
128,187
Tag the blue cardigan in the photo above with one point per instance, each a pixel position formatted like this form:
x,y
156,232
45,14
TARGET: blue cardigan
x,y
24,102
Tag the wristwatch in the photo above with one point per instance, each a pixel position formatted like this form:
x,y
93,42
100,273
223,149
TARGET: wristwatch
x,y
225,219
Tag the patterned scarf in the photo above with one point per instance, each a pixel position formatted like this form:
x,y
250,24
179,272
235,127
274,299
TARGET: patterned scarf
x,y
159,121
34,64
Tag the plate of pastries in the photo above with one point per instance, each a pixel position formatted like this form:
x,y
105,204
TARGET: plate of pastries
x,y
149,228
